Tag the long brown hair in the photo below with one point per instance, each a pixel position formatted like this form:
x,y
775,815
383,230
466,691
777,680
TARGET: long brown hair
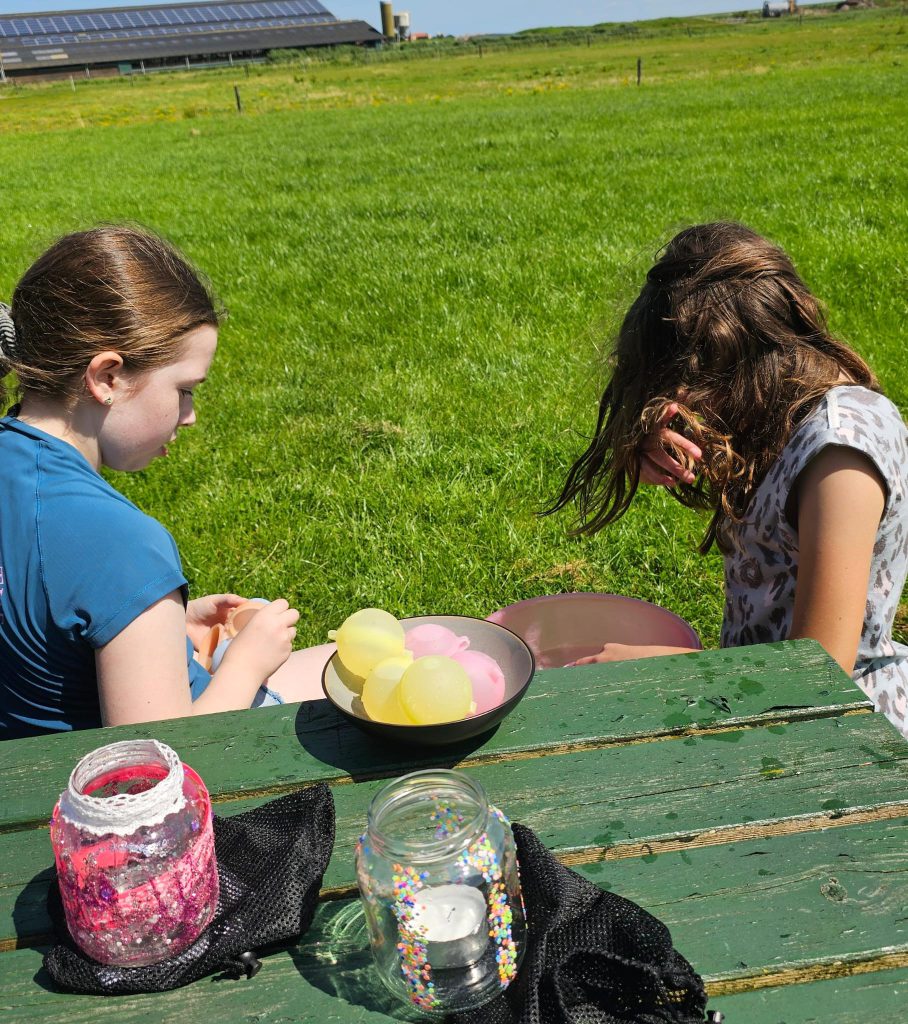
x,y
725,328
113,288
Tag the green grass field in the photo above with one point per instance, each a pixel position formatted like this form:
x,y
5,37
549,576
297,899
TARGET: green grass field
x,y
423,262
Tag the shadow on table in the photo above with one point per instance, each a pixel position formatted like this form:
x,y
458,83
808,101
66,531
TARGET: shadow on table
x,y
335,958
31,923
332,739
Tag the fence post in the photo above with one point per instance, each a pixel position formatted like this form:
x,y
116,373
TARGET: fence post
x,y
639,70
72,82
239,102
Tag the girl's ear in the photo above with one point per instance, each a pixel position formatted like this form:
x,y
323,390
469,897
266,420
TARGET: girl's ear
x,y
105,377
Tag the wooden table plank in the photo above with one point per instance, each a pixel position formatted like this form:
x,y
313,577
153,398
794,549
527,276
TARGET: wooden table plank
x,y
565,709
793,906
877,998
744,914
704,786
290,989
668,794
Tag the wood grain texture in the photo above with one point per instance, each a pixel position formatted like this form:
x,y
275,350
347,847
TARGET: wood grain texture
x,y
756,909
747,798
878,997
610,803
743,914
589,707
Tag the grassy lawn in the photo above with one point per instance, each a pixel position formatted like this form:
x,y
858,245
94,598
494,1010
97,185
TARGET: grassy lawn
x,y
423,262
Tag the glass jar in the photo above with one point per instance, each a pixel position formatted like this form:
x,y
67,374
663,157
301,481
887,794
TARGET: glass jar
x,y
437,872
134,846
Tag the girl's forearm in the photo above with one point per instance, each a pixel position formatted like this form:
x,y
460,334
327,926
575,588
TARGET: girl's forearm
x,y
627,652
232,688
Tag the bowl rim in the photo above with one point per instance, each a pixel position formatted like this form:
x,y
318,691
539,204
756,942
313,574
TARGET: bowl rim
x,y
595,593
474,719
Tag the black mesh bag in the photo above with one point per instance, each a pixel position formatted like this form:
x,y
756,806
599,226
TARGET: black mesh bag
x,y
592,957
271,862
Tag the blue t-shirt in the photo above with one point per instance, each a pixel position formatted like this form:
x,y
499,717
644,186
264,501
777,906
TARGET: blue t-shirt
x,y
78,562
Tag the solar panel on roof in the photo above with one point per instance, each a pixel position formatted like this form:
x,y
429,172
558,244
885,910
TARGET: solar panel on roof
x,y
227,16
164,32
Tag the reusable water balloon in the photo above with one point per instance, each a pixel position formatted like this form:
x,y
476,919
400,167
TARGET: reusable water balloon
x,y
215,645
432,639
239,617
500,644
486,678
367,637
381,692
435,689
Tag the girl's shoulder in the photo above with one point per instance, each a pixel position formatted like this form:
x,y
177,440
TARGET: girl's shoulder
x,y
854,416
70,504
856,402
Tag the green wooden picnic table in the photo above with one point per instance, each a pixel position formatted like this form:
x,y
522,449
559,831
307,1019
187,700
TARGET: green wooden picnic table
x,y
748,798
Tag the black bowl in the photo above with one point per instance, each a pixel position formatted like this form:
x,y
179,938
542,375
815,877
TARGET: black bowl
x,y
508,649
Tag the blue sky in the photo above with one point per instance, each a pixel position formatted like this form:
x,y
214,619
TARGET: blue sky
x,y
462,17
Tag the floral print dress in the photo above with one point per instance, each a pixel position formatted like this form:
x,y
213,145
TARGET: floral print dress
x,y
761,553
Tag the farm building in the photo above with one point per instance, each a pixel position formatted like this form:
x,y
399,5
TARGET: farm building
x,y
128,38
778,9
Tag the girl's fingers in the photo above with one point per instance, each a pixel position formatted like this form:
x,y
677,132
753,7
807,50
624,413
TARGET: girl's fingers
x,y
680,441
670,413
663,469
650,473
667,463
663,479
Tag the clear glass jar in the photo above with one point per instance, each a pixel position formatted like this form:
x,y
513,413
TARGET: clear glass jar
x,y
437,872
134,846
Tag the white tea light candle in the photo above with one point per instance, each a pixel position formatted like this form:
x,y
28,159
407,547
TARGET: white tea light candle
x,y
452,921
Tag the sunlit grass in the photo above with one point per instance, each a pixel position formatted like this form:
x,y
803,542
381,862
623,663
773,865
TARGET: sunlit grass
x,y
420,289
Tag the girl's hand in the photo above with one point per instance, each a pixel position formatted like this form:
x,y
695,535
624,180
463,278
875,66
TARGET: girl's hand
x,y
264,643
613,652
657,465
205,612
626,652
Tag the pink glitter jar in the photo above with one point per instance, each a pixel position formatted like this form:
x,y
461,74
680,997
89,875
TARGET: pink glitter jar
x,y
134,846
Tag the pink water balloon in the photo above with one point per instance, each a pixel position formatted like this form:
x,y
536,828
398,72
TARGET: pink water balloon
x,y
486,678
429,639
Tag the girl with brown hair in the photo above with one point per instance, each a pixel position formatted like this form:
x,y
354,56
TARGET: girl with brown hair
x,y
728,389
109,334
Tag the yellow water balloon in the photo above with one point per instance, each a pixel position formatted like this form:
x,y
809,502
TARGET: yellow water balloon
x,y
367,637
435,689
381,692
